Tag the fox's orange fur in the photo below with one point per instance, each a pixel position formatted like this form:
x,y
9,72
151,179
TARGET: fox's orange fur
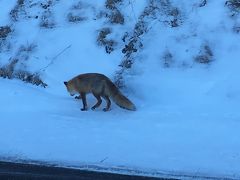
x,y
100,86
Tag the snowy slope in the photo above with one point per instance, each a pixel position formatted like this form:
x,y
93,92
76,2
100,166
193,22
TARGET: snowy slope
x,y
187,118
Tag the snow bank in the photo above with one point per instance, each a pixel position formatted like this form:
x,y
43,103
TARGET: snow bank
x,y
187,122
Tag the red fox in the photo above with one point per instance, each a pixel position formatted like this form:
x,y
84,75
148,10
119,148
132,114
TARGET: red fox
x,y
100,86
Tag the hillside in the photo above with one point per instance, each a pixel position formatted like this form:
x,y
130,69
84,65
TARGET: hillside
x,y
176,60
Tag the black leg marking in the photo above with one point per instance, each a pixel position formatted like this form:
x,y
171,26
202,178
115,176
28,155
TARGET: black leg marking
x,y
107,108
99,101
83,95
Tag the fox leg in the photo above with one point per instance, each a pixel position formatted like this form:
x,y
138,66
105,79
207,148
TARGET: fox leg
x,y
99,101
83,95
107,108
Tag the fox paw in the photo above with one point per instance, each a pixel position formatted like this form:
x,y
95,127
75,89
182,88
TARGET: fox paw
x,y
106,109
83,109
78,97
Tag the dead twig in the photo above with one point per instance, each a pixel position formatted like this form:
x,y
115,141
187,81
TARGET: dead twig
x,y
55,57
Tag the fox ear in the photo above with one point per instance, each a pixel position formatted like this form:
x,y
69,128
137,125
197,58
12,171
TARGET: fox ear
x,y
65,82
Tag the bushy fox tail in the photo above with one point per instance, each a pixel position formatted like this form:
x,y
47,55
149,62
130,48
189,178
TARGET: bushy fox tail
x,y
121,100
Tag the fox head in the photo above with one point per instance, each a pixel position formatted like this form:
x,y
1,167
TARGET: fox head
x,y
70,88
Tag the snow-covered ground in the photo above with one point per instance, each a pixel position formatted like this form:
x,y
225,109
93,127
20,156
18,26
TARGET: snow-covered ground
x,y
187,120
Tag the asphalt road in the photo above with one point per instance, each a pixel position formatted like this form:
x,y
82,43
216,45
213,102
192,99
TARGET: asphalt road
x,y
15,171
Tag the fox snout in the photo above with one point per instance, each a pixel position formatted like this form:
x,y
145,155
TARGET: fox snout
x,y
69,88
